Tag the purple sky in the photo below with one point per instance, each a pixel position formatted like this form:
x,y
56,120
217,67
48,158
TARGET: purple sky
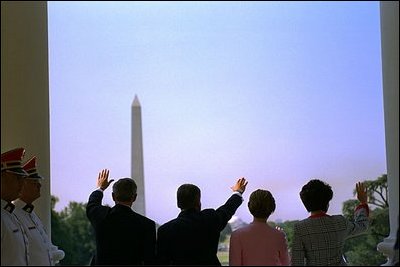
x,y
278,92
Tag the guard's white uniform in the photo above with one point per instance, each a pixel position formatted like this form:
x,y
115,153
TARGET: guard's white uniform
x,y
39,243
14,241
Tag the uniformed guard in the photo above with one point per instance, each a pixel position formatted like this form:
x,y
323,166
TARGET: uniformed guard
x,y
40,247
14,241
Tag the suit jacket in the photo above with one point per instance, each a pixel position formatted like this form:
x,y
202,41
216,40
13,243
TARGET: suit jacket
x,y
258,244
123,237
192,238
319,240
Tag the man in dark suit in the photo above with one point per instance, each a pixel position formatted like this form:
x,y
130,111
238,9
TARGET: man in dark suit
x,y
192,238
123,237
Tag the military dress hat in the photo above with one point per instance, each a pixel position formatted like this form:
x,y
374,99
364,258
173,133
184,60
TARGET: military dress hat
x,y
11,161
30,168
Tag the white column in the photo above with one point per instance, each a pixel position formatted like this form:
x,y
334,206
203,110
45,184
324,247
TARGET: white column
x,y
137,157
389,12
25,89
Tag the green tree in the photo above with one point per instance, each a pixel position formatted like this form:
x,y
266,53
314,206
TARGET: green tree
x,y
361,249
72,232
377,192
287,227
225,233
59,230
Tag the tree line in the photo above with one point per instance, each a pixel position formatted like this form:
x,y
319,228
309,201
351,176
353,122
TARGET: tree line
x,y
71,230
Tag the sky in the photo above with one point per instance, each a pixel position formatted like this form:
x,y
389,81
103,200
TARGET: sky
x,y
276,92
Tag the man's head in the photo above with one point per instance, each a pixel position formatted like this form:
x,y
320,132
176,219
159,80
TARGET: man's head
x,y
316,195
12,174
261,204
31,190
32,184
124,191
188,197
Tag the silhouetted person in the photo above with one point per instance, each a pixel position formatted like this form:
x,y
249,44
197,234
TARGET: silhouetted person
x,y
319,239
123,237
258,243
14,241
192,238
40,246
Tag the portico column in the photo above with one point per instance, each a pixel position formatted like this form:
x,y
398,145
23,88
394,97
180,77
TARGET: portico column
x,y
25,91
389,12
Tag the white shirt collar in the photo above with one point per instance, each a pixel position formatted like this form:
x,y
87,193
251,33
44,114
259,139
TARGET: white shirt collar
x,y
19,203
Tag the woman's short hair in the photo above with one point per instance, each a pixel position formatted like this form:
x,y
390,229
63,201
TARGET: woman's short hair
x,y
261,203
316,195
124,189
187,196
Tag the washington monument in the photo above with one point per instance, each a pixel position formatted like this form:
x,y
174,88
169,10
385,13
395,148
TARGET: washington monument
x,y
137,156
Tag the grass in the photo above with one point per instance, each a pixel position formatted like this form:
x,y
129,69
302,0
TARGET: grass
x,y
223,257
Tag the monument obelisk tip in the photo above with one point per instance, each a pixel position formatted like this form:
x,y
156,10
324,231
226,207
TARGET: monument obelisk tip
x,y
136,102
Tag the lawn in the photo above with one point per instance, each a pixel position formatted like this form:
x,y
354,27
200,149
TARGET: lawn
x,y
223,257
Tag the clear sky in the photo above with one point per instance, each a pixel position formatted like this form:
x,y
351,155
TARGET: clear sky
x,y
277,92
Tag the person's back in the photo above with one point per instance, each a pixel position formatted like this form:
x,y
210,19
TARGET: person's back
x,y
192,238
319,239
323,238
258,243
265,246
123,237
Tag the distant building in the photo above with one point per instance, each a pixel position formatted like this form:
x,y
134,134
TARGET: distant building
x,y
236,223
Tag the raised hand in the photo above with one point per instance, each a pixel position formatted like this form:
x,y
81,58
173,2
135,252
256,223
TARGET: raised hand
x,y
362,195
102,180
240,185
